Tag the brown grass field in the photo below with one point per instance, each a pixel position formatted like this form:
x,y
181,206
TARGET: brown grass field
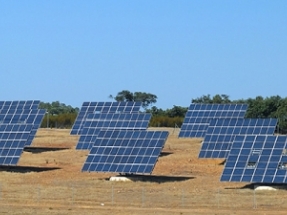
x,y
48,180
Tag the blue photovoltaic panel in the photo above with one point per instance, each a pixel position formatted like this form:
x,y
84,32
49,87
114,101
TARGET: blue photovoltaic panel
x,y
23,116
257,159
103,107
198,117
28,104
96,122
19,121
35,120
13,138
125,151
221,133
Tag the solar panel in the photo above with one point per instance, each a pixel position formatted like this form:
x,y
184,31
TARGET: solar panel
x,y
96,122
36,120
13,138
21,104
19,121
221,133
102,107
125,151
257,159
198,117
23,116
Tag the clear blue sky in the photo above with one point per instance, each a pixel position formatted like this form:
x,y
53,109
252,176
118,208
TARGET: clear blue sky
x,y
75,51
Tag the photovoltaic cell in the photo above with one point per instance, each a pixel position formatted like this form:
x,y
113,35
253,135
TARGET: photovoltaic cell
x,y
13,138
102,107
21,116
96,122
221,133
125,151
199,116
35,120
28,104
257,159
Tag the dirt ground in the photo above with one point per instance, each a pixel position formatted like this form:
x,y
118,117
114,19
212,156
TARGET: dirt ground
x,y
48,180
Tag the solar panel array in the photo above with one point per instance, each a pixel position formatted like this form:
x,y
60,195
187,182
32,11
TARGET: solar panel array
x,y
253,153
221,133
198,117
257,159
96,122
19,121
117,137
125,151
102,107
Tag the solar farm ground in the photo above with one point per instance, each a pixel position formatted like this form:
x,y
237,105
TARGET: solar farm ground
x,y
48,180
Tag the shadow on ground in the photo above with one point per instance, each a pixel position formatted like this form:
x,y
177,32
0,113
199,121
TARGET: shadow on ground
x,y
36,150
163,154
25,169
223,162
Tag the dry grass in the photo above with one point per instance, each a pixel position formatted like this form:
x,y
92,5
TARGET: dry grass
x,y
51,182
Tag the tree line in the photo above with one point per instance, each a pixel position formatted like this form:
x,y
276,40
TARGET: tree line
x,y
258,107
60,115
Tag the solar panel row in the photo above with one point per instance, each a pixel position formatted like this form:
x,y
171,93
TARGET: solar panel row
x,y
94,123
30,104
125,151
13,138
19,121
198,117
253,153
221,133
21,116
257,158
102,107
115,133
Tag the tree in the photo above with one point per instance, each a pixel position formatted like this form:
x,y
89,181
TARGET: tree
x,y
255,108
147,99
217,99
156,111
56,108
203,99
124,96
58,114
176,111
221,99
281,115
